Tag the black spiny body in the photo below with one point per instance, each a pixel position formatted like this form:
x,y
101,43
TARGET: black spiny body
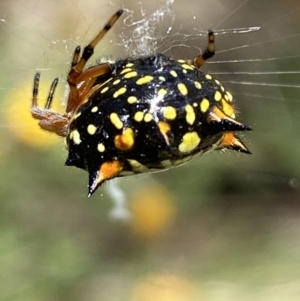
x,y
152,113
139,114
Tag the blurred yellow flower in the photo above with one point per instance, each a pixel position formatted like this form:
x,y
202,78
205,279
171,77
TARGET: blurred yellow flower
x,y
164,287
19,121
153,211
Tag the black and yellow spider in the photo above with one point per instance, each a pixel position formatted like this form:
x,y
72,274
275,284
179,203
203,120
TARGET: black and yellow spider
x,y
139,114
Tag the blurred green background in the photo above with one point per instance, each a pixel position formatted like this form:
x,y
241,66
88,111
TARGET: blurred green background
x,y
224,227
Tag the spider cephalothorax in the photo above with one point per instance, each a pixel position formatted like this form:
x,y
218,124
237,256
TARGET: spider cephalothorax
x,y
140,114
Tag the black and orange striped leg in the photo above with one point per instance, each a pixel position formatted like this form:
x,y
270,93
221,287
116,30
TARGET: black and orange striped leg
x,y
56,122
208,53
35,92
49,120
76,74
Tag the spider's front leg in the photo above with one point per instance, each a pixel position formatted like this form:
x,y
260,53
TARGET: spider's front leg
x,y
80,82
77,73
50,120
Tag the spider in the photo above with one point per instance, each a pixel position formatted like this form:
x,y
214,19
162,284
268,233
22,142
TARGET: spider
x,y
139,114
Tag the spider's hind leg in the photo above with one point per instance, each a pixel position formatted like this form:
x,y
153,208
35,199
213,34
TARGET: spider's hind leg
x,y
208,53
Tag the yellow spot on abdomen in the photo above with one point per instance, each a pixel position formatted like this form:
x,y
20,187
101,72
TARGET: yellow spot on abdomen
x,y
75,136
116,121
204,105
91,129
138,116
169,113
162,92
101,147
125,70
228,108
144,80
131,99
182,89
125,141
208,76
218,96
120,92
173,73
229,95
148,117
94,109
189,142
198,85
129,65
187,67
116,81
190,114
104,90
130,74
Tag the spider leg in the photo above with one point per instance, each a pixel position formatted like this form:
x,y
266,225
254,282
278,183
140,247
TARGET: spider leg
x,y
89,49
89,76
208,53
49,120
75,56
76,74
89,88
87,79
51,93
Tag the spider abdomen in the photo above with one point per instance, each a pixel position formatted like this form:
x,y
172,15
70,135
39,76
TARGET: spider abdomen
x,y
152,113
